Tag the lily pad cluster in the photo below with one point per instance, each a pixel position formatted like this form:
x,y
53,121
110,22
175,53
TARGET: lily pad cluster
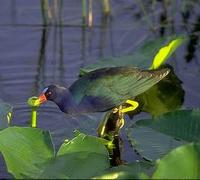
x,y
170,142
29,153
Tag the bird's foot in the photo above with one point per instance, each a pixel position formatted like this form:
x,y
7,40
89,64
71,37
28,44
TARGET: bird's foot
x,y
121,111
121,122
115,110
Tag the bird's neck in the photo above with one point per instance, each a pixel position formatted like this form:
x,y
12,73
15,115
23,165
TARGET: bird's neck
x,y
65,101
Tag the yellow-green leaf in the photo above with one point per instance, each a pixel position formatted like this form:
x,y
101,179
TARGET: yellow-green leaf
x,y
165,52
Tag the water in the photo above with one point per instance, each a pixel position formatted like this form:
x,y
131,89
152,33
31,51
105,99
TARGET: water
x,y
33,55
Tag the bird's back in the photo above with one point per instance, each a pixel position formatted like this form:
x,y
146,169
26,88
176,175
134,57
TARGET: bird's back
x,y
106,88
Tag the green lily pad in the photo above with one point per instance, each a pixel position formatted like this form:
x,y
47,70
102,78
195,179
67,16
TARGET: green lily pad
x,y
151,144
5,114
181,163
83,142
82,157
29,153
130,171
150,50
153,138
24,149
182,124
78,165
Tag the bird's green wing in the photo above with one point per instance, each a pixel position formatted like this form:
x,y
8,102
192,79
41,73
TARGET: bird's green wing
x,y
109,87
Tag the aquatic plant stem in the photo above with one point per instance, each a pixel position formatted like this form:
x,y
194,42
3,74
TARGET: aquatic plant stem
x,y
106,7
90,14
84,11
34,117
44,9
34,103
9,115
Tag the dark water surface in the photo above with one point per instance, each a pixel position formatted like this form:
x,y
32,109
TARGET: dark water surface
x,y
33,56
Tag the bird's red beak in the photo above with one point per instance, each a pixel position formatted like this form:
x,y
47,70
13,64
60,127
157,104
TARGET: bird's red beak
x,y
42,98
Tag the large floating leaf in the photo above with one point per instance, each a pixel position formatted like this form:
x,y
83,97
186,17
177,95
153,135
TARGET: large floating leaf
x,y
83,142
151,144
153,138
130,171
79,165
5,114
143,55
29,153
183,124
181,163
24,149
82,157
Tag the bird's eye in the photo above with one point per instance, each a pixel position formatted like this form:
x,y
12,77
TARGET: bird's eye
x,y
48,93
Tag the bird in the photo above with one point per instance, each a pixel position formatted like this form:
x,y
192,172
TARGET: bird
x,y
103,89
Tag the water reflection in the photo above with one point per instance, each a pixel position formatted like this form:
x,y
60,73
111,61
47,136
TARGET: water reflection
x,y
13,12
105,22
83,42
40,77
193,42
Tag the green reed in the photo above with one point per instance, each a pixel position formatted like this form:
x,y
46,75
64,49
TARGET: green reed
x,y
44,9
106,7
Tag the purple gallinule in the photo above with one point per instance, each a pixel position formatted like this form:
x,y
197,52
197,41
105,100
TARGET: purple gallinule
x,y
102,89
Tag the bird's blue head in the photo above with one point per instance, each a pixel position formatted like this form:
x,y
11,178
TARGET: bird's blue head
x,y
50,93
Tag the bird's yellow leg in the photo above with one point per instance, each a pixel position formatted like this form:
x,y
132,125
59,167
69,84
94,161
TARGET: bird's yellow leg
x,y
122,122
134,105
121,111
